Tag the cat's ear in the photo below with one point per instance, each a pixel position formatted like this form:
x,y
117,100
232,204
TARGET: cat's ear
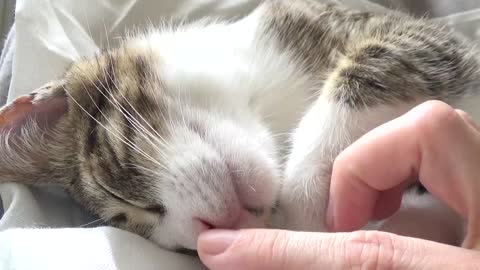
x,y
43,106
27,135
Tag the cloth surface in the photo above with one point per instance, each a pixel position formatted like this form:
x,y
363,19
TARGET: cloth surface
x,y
6,65
42,228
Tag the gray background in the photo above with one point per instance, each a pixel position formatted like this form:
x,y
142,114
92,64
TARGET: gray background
x,y
7,9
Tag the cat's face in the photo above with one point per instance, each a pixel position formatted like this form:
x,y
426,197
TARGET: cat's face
x,y
148,160
198,175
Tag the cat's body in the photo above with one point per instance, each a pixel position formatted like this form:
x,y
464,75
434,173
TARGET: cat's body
x,y
209,124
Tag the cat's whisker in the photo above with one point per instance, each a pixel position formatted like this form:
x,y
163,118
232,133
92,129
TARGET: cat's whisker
x,y
101,112
93,101
137,166
312,97
141,130
116,105
99,221
124,140
106,35
134,127
123,110
158,137
280,134
89,31
129,104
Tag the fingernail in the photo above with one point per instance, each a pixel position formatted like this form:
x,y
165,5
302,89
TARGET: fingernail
x,y
216,242
329,219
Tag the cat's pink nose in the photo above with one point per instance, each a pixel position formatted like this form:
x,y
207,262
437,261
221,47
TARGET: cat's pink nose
x,y
228,222
202,225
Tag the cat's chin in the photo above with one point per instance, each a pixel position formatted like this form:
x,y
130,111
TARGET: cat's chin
x,y
183,235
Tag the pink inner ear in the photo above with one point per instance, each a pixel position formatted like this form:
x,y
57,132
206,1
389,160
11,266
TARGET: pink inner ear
x,y
45,112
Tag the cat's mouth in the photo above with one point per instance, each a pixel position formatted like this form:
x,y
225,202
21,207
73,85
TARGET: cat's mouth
x,y
186,251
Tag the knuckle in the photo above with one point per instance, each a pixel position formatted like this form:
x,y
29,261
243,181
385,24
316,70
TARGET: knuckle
x,y
275,247
463,113
371,250
268,248
436,117
468,119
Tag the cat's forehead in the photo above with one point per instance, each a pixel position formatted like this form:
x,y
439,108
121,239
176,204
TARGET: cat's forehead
x,y
117,107
123,75
121,66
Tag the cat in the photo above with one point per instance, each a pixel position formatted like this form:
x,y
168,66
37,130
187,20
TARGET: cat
x,y
215,124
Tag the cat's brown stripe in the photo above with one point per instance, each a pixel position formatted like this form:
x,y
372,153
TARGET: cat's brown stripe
x,y
98,110
316,33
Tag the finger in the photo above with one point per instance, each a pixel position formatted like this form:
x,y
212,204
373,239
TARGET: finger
x,y
388,202
468,119
282,250
380,160
428,141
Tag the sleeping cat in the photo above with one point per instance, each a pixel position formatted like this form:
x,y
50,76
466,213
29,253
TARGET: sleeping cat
x,y
213,124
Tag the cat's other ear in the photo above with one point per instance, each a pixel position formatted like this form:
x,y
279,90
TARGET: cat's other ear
x,y
28,135
44,106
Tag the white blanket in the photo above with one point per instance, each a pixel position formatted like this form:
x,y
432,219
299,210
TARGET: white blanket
x,y
42,228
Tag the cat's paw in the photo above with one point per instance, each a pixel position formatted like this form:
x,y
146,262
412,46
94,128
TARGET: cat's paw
x,y
303,198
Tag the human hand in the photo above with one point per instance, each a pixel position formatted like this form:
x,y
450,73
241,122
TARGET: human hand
x,y
262,249
433,143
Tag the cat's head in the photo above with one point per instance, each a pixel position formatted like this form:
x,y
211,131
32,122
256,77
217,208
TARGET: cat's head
x,y
141,153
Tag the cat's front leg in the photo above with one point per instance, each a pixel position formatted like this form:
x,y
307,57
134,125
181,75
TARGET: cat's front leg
x,y
326,129
376,80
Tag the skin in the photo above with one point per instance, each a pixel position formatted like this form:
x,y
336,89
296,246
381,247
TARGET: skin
x,y
434,143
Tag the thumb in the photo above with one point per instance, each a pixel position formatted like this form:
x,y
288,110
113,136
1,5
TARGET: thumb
x,y
281,250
